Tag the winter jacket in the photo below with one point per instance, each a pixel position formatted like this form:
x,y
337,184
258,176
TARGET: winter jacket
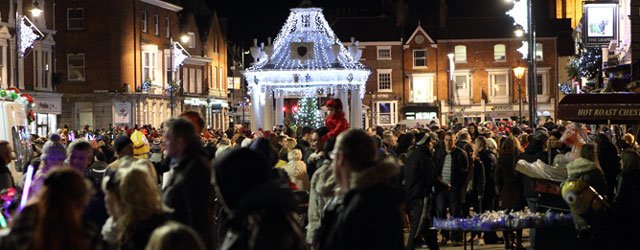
x,y
6,180
460,166
323,184
336,123
587,171
509,182
367,216
489,162
142,231
610,165
190,194
420,174
264,219
297,172
627,205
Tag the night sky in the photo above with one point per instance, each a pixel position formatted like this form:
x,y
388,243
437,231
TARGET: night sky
x,y
249,19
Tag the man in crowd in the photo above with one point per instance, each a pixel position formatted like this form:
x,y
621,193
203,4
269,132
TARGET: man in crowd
x,y
421,179
314,160
6,157
189,190
365,215
80,157
123,147
452,165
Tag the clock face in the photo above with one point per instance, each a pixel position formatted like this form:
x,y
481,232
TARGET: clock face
x,y
419,39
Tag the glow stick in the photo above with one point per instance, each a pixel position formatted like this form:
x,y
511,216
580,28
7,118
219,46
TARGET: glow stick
x,y
3,221
27,187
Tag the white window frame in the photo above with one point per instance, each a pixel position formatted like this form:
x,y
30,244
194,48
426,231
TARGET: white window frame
x,y
492,73
500,57
460,54
393,113
42,69
156,25
430,78
144,21
151,65
167,21
381,72
192,80
3,64
167,67
463,97
84,62
69,19
540,52
380,48
414,59
199,83
192,40
545,96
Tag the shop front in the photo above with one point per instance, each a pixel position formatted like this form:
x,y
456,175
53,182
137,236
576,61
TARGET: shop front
x,y
214,111
46,107
483,111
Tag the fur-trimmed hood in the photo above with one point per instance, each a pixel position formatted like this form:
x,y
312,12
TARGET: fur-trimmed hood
x,y
581,165
381,172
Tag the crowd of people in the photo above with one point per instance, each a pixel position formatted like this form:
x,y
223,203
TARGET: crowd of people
x,y
183,186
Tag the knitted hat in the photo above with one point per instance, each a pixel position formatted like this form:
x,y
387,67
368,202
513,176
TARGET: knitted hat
x,y
53,148
334,103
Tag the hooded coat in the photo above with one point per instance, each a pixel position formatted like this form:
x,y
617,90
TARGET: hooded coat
x,y
587,171
367,216
323,184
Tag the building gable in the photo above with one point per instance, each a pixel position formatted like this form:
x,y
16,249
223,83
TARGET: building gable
x,y
415,39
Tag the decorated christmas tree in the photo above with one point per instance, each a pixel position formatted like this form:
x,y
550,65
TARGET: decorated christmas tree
x,y
308,113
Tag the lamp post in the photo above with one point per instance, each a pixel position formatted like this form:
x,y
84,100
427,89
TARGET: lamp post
x,y
173,86
451,83
519,73
522,13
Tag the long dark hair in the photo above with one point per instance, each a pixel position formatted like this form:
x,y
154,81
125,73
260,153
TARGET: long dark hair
x,y
60,204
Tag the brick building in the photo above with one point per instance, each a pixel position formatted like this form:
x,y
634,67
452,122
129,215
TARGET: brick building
x,y
35,69
410,73
113,63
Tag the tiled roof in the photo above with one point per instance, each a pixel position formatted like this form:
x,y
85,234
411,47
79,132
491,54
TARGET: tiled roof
x,y
367,29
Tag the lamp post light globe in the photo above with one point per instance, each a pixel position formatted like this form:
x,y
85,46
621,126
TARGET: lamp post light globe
x,y
36,11
519,73
518,32
184,38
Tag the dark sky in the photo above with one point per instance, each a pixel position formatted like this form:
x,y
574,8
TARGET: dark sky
x,y
254,18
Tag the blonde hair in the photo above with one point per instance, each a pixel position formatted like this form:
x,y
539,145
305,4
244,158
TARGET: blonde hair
x,y
294,155
290,143
138,198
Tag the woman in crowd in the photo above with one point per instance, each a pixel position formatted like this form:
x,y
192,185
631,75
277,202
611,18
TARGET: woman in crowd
x,y
53,155
53,220
626,201
174,236
609,162
509,184
133,200
487,155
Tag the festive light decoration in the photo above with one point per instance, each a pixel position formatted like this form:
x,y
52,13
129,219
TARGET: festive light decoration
x,y
179,55
308,114
13,94
29,33
303,55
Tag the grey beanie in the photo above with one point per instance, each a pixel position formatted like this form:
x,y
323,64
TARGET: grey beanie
x,y
53,147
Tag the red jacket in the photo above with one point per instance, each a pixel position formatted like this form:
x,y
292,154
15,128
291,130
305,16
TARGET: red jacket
x,y
336,123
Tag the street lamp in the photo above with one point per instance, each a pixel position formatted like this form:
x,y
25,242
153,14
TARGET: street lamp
x,y
185,38
36,11
519,73
451,83
519,32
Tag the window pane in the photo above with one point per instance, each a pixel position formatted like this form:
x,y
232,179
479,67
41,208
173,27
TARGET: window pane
x,y
77,13
460,53
384,107
499,52
460,82
384,80
384,53
419,53
500,85
539,84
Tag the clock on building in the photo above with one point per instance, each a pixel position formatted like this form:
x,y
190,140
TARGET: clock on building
x,y
419,39
302,50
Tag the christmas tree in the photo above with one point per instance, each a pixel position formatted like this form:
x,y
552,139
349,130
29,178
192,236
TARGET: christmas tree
x,y
308,113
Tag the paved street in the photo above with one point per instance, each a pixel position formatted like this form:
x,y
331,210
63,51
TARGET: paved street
x,y
525,239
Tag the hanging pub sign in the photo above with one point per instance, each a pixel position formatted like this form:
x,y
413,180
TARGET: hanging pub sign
x,y
600,24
